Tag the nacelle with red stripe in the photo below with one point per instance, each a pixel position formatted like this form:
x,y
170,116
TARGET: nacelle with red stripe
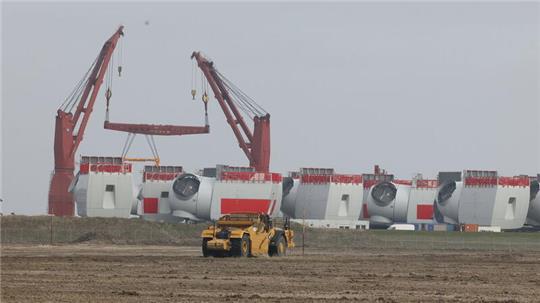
x,y
484,198
197,197
322,194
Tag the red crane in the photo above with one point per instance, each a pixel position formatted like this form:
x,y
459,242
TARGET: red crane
x,y
71,120
256,143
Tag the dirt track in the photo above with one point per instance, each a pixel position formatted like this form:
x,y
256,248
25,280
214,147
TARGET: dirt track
x,y
99,273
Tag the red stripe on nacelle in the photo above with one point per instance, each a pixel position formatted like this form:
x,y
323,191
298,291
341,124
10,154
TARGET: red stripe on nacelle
x,y
424,212
104,168
481,181
514,181
229,206
324,179
150,205
402,182
159,176
251,176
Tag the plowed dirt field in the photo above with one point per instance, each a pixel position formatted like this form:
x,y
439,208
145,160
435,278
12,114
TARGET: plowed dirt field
x,y
129,273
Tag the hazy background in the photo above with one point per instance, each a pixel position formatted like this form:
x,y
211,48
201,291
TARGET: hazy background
x,y
414,87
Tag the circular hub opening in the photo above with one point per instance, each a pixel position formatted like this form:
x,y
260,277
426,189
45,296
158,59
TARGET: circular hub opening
x,y
446,191
384,193
186,186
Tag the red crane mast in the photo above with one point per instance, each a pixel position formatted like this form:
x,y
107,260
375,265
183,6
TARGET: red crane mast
x,y
255,144
70,127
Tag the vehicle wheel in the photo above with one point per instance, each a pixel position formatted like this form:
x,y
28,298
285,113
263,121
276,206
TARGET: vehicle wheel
x,y
241,247
205,251
279,249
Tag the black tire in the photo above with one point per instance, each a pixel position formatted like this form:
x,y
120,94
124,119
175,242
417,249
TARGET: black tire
x,y
205,251
279,249
241,247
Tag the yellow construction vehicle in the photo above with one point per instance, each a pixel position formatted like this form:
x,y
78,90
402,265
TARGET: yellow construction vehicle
x,y
246,234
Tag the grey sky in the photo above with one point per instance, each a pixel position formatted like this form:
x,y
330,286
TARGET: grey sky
x,y
413,87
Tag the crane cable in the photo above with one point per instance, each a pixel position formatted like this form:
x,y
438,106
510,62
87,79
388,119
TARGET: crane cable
x,y
244,106
193,77
204,88
204,97
75,95
127,144
151,143
241,99
120,57
153,147
110,76
108,91
71,100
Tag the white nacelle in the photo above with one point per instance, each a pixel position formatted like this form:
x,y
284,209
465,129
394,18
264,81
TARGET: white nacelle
x,y
387,203
103,189
401,202
198,198
485,199
330,197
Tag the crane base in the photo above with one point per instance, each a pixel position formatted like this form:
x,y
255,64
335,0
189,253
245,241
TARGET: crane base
x,y
61,201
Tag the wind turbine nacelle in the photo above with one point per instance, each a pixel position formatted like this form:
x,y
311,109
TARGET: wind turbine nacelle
x,y
483,198
321,194
199,198
387,203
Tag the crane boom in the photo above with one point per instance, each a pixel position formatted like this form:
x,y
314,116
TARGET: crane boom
x,y
70,127
255,144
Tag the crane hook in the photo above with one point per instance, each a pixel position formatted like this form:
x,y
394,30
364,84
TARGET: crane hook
x,y
119,70
108,95
193,93
205,97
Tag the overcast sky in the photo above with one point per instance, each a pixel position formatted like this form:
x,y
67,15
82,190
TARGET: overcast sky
x,y
414,87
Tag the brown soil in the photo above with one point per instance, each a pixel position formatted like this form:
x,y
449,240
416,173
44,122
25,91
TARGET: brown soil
x,y
123,273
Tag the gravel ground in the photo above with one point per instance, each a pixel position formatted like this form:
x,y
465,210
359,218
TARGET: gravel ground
x,y
143,273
